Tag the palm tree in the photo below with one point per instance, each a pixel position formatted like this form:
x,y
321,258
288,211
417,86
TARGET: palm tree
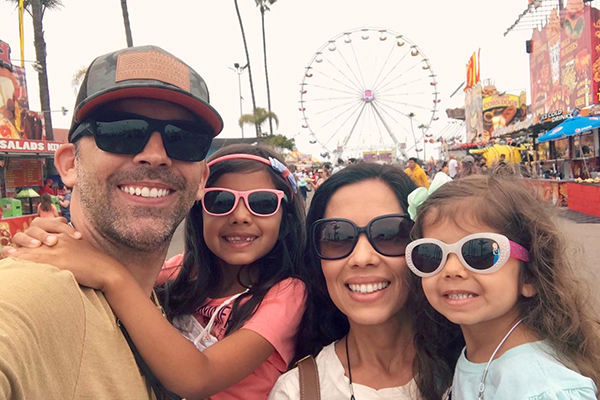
x,y
127,24
237,10
264,6
37,8
257,119
78,77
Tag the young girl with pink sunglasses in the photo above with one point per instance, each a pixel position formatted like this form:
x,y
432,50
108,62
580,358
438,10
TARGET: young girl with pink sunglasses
x,y
235,297
489,258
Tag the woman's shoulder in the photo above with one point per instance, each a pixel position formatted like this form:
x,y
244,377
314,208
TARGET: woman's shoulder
x,y
328,368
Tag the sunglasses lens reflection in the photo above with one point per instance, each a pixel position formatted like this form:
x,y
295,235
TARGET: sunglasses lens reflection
x,y
263,203
334,239
481,253
125,136
427,257
390,236
218,201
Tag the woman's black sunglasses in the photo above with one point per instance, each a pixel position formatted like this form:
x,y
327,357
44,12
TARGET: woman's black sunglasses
x,y
335,238
126,133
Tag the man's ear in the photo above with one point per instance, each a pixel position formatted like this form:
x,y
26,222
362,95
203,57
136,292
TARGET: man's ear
x,y
64,160
205,173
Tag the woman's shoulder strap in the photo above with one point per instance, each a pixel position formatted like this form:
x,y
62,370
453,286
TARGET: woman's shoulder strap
x,y
309,379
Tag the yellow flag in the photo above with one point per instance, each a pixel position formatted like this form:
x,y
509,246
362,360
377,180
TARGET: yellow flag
x,y
21,35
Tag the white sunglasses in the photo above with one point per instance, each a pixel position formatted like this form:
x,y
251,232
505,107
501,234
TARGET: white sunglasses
x,y
482,253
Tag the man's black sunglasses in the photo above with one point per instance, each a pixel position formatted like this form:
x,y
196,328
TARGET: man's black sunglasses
x,y
126,133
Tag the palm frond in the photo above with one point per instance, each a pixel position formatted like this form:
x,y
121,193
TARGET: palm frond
x,y
246,119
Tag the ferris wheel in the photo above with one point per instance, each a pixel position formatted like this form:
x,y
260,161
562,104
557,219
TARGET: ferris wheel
x,y
368,89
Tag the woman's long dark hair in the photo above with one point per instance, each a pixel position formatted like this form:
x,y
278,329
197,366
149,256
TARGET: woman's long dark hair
x,y
323,323
46,202
201,277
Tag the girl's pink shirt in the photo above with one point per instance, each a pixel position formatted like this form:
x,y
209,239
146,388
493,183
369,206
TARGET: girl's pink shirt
x,y
276,319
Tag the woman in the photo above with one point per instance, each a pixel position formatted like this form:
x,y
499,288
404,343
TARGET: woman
x,y
322,175
372,339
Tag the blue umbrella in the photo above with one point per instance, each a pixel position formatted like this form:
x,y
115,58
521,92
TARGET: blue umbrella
x,y
570,127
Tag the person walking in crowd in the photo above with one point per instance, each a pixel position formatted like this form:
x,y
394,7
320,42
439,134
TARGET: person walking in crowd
x,y
416,173
340,166
64,202
235,294
444,167
452,166
490,259
47,188
467,167
60,340
322,175
372,340
304,182
482,164
46,209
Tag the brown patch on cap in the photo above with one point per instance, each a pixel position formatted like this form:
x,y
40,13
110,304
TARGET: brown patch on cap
x,y
152,65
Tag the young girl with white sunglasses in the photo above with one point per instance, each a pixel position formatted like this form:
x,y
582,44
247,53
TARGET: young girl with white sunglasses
x,y
490,259
236,295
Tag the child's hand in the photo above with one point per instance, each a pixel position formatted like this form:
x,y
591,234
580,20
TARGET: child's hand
x,y
41,231
90,267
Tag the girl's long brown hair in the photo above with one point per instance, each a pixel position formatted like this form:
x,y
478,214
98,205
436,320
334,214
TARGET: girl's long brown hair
x,y
560,312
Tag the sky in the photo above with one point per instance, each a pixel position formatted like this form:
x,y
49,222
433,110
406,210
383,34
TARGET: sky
x,y
206,35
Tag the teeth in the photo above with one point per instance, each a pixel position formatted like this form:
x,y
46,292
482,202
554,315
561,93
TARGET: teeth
x,y
368,288
236,239
145,192
459,296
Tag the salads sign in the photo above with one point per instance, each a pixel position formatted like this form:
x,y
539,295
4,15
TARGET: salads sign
x,y
28,146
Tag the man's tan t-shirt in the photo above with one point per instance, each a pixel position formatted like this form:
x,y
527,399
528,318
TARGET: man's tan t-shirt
x,y
59,340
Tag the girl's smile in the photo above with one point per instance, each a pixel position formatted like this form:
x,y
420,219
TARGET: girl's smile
x,y
466,297
368,287
241,238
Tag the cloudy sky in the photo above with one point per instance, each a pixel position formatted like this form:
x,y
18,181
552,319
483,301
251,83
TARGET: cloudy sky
x,y
207,36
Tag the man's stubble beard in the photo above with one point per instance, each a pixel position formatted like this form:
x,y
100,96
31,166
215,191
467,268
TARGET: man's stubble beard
x,y
145,229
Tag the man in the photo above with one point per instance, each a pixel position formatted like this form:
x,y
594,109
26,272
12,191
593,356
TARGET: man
x,y
417,173
452,166
340,166
133,183
47,188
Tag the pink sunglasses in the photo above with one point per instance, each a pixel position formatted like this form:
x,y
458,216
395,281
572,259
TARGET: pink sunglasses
x,y
219,202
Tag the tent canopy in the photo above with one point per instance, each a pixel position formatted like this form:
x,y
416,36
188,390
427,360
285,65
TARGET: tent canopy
x,y
27,193
570,127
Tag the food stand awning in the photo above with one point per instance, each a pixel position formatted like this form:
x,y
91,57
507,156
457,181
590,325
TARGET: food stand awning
x,y
570,127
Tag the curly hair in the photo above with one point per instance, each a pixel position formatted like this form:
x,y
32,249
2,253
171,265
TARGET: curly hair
x,y
559,312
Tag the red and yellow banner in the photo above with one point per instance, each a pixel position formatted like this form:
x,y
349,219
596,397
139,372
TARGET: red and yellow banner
x,y
473,70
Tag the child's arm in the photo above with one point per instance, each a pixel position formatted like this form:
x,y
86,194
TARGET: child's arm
x,y
175,361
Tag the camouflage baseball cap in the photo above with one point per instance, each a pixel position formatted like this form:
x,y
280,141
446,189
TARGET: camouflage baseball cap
x,y
146,72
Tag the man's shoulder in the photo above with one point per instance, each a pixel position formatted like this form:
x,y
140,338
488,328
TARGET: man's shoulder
x,y
33,282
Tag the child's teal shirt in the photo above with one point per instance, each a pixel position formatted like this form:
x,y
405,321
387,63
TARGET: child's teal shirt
x,y
526,372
